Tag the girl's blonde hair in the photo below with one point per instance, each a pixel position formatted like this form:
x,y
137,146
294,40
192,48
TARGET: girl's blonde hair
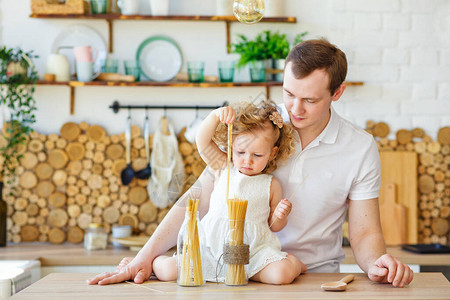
x,y
251,117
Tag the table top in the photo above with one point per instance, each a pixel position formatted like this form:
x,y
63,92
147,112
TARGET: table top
x,y
70,254
63,286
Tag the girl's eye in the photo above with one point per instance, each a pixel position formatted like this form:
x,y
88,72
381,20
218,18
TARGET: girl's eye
x,y
258,155
240,152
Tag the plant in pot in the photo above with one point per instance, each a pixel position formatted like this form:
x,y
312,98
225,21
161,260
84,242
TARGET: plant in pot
x,y
17,79
252,53
278,48
268,50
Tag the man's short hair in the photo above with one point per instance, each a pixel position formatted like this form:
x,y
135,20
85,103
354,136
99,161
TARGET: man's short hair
x,y
317,54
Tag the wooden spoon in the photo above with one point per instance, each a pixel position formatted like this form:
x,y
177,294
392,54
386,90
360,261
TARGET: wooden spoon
x,y
340,285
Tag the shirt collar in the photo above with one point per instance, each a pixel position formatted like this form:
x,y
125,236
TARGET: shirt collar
x,y
330,133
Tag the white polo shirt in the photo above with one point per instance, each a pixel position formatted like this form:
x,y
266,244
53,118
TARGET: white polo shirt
x,y
341,163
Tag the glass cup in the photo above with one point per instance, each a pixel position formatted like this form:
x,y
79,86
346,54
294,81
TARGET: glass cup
x,y
195,71
98,6
226,71
110,65
257,71
132,68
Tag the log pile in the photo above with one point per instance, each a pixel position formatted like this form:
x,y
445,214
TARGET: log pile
x,y
433,173
66,181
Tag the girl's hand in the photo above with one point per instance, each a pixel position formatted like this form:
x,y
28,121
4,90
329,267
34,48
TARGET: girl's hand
x,y
226,114
283,209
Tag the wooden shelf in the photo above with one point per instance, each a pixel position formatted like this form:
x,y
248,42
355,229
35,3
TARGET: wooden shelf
x,y
149,17
109,18
73,84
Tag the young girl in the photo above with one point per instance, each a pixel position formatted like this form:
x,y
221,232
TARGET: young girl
x,y
260,141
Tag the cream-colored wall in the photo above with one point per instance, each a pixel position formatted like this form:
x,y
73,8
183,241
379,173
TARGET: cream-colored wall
x,y
399,48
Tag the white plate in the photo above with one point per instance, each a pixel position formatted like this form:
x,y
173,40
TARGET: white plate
x,y
79,35
160,58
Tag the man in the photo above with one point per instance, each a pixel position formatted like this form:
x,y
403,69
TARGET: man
x,y
336,165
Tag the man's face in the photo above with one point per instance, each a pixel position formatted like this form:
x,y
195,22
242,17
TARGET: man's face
x,y
307,100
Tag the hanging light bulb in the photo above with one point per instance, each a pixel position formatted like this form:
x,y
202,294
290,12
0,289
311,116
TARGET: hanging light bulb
x,y
248,11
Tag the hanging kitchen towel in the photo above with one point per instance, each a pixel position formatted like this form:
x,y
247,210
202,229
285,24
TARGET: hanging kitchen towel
x,y
168,173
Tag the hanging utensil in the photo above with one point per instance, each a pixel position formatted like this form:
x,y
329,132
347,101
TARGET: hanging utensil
x,y
340,285
128,173
147,171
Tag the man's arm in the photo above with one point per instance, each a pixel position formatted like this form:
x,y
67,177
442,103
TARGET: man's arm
x,y
164,237
367,242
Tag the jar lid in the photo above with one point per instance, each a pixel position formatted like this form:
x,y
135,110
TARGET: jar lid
x,y
95,225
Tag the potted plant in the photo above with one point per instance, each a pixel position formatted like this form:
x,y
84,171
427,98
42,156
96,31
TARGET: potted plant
x,y
268,50
253,53
17,78
278,48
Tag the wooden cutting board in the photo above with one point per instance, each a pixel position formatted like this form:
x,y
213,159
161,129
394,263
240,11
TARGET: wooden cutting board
x,y
393,217
400,168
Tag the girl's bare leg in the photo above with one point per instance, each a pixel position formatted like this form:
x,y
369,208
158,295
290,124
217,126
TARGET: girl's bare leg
x,y
165,268
281,272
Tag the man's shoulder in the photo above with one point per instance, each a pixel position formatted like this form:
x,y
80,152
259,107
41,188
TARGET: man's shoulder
x,y
353,132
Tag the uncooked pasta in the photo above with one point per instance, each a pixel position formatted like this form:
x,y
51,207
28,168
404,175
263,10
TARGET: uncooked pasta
x,y
237,210
191,273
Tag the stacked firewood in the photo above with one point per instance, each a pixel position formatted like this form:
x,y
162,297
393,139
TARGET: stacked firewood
x,y
67,181
433,175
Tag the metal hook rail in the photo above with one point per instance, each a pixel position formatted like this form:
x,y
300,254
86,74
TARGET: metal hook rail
x,y
116,106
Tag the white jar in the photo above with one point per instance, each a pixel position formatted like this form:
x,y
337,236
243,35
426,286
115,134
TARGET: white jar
x,y
95,237
224,7
274,8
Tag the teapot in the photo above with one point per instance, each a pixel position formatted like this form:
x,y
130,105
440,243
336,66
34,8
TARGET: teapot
x,y
59,65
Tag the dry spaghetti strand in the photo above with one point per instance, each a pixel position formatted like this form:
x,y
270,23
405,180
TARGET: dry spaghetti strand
x,y
191,273
230,129
237,210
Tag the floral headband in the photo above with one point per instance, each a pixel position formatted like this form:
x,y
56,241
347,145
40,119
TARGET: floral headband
x,y
276,118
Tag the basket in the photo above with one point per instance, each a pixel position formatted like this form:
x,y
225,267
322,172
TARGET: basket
x,y
75,7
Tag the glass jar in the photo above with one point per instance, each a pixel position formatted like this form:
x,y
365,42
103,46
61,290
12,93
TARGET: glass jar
x,y
190,247
236,254
95,237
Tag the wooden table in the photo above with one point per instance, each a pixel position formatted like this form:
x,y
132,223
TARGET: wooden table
x,y
63,286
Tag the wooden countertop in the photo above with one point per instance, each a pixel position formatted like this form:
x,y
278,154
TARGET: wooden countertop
x,y
69,254
63,286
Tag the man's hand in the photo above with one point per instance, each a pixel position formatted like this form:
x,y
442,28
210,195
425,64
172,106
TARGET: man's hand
x,y
128,269
388,269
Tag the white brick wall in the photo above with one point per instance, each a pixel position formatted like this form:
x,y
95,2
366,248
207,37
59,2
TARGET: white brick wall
x,y
399,48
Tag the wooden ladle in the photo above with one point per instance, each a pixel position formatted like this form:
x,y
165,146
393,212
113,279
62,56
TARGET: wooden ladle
x,y
340,285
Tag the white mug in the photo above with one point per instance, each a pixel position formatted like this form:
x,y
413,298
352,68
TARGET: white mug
x,y
85,71
128,7
159,7
191,130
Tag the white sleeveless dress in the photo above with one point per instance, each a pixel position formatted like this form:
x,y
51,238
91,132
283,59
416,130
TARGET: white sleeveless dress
x,y
265,246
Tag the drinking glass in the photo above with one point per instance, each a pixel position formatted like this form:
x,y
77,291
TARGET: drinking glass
x,y
257,71
132,68
110,65
195,71
226,71
98,6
